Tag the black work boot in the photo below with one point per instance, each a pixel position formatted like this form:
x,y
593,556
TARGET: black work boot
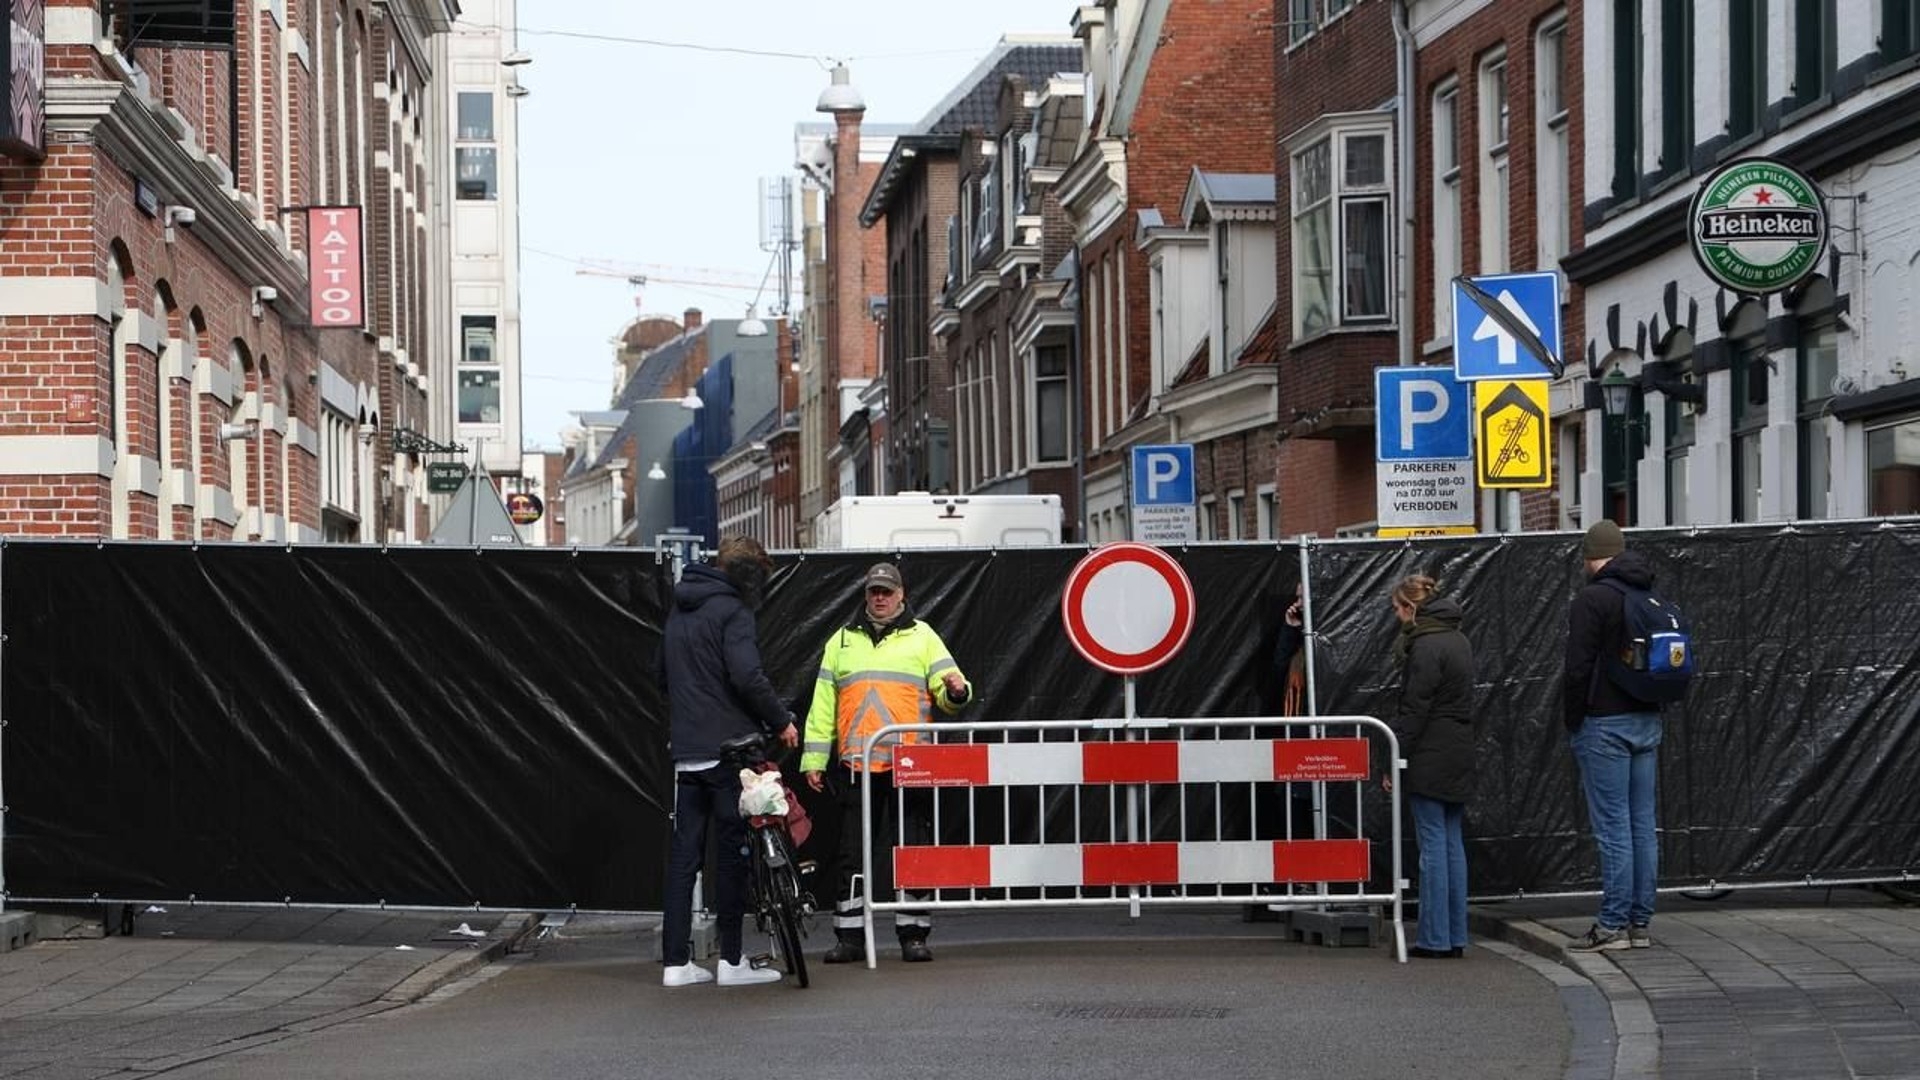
x,y
914,950
850,947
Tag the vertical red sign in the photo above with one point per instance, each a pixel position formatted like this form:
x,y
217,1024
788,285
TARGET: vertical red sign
x,y
336,292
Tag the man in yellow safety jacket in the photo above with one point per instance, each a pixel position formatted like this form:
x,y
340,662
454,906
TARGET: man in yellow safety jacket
x,y
884,667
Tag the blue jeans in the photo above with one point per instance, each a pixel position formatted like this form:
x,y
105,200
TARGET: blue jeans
x,y
1443,874
1618,756
700,798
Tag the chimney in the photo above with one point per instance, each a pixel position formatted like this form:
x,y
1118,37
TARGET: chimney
x,y
850,354
692,320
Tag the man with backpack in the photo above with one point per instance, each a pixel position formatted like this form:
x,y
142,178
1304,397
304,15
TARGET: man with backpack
x,y
1627,652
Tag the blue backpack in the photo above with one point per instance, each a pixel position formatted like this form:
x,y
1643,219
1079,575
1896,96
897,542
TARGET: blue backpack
x,y
1658,659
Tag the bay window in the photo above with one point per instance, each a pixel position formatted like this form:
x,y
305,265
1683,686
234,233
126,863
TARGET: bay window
x,y
1342,225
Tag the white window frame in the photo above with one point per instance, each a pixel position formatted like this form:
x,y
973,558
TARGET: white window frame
x,y
1266,512
1554,157
1337,132
1236,505
1447,219
1208,529
1496,181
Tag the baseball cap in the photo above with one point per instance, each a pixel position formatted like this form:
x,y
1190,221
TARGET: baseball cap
x,y
885,576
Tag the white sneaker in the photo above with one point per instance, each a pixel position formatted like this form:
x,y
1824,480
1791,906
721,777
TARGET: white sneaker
x,y
745,974
687,974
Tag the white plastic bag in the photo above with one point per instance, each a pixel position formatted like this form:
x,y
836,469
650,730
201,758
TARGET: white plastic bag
x,y
762,794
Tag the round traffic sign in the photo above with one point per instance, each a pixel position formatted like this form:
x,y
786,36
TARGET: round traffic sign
x,y
1128,608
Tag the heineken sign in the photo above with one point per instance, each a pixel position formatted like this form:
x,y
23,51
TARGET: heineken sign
x,y
1758,226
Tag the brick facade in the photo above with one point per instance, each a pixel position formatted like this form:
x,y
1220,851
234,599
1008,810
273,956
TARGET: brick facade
x,y
126,344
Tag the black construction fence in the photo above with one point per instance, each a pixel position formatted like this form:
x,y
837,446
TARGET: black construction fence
x,y
424,726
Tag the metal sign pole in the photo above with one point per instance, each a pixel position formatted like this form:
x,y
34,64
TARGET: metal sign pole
x,y
1129,714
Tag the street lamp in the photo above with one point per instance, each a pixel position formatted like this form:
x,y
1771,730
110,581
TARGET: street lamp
x,y
691,400
1616,402
656,473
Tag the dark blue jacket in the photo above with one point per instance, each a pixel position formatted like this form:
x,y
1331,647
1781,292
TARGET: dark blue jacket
x,y
710,664
1597,629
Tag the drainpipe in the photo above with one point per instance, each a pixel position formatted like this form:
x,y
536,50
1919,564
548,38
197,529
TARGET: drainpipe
x,y
1403,166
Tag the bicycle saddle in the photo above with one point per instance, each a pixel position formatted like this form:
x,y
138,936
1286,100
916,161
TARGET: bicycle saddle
x,y
750,748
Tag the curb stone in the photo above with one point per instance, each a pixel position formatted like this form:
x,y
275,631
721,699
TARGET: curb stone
x,y
1637,1049
505,937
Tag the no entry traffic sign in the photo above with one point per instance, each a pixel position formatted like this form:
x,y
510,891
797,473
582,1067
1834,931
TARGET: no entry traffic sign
x,y
1128,608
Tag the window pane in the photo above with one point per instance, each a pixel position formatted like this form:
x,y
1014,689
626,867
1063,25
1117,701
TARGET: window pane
x,y
1676,84
1750,385
1746,477
1446,133
480,397
1052,416
1819,361
1893,469
1677,488
1816,467
1626,99
476,117
1366,161
1312,175
1364,261
1813,48
1553,65
1897,23
1746,67
1313,255
475,172
1494,86
1299,20
477,339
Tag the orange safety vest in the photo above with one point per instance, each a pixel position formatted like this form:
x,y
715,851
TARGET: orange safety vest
x,y
865,685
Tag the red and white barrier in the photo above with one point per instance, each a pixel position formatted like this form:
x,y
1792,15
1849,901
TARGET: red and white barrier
x,y
1001,866
1105,843
1209,761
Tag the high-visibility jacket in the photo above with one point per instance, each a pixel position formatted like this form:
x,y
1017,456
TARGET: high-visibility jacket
x,y
865,685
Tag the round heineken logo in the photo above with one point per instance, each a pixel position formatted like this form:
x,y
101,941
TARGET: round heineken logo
x,y
1758,226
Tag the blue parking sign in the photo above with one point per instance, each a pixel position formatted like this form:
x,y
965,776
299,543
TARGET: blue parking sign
x,y
1163,475
1424,413
1484,349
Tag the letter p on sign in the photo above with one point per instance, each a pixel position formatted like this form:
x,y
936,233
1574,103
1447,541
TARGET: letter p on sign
x,y
1162,468
1422,401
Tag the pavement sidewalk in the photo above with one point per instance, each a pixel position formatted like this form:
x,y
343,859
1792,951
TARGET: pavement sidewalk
x,y
1792,983
1797,983
193,983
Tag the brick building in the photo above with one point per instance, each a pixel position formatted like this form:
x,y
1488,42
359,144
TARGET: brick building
x,y
1172,86
1417,142
1497,187
948,249
1000,319
161,378
835,423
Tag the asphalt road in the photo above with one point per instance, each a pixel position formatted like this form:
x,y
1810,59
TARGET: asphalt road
x,y
1184,994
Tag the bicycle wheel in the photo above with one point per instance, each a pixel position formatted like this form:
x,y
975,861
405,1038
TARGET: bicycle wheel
x,y
786,925
783,904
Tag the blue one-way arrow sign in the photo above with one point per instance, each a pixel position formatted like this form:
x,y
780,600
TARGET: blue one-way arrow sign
x,y
1484,346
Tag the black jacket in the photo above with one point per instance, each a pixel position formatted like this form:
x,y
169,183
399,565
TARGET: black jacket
x,y
1596,629
710,665
1435,720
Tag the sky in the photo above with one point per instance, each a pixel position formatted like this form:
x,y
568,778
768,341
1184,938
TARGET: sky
x,y
648,157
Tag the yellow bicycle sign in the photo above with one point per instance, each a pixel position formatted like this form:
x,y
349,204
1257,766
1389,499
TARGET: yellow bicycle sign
x,y
1511,443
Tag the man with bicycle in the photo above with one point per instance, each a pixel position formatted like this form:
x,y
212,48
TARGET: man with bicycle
x,y
716,690
882,668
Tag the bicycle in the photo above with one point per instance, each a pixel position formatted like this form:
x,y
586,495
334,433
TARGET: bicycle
x,y
775,896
